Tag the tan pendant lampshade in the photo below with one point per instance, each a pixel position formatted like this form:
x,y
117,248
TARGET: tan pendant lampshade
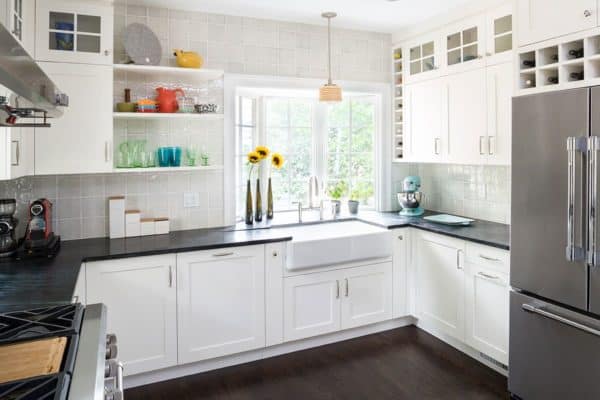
x,y
329,92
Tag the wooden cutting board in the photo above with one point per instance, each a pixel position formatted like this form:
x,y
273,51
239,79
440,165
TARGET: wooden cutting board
x,y
29,359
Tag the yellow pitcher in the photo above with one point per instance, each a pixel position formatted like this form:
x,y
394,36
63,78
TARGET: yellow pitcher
x,y
188,59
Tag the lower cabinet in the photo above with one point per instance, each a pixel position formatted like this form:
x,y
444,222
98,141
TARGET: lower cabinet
x,y
440,281
220,302
140,294
325,302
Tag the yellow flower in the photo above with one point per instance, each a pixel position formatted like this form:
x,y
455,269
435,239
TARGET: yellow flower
x,y
277,160
263,151
253,157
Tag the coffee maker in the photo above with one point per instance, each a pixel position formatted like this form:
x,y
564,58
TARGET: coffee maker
x,y
410,198
8,224
39,239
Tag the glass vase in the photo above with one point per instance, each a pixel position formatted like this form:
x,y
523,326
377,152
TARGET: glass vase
x,y
259,212
249,213
270,201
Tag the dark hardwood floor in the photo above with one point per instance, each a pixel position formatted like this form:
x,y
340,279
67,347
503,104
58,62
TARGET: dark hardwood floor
x,y
405,363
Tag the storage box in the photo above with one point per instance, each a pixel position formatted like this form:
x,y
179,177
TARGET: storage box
x,y
161,226
132,223
147,226
116,217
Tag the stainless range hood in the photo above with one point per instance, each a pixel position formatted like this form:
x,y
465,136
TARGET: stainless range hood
x,y
36,96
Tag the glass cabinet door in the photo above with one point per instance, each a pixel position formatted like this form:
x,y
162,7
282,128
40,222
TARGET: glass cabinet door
x,y
502,34
463,46
71,32
16,18
422,58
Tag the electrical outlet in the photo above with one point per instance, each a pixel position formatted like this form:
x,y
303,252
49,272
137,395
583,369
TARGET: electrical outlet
x,y
191,199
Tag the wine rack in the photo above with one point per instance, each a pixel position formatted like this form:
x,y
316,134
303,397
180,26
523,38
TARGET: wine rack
x,y
398,112
560,64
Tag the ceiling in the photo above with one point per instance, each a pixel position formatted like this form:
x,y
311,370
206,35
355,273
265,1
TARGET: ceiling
x,y
371,15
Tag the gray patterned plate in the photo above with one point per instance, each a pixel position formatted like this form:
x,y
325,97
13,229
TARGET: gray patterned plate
x,y
142,45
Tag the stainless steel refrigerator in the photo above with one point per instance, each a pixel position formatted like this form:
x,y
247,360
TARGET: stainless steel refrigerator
x,y
555,246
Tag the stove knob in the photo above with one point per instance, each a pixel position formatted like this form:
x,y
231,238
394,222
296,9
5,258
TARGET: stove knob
x,y
111,368
113,395
111,338
111,351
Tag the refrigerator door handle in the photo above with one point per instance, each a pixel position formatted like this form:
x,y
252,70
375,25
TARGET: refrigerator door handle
x,y
561,319
593,147
574,144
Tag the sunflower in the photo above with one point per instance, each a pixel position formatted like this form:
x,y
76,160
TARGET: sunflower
x,y
263,151
277,160
254,157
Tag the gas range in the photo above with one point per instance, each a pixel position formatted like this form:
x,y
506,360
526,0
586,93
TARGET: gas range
x,y
88,368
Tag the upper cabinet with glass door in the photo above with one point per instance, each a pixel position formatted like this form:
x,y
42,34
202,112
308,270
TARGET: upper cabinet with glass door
x,y
18,16
499,35
423,59
74,32
465,44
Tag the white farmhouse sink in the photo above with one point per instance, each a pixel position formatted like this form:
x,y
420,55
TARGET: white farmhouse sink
x,y
335,243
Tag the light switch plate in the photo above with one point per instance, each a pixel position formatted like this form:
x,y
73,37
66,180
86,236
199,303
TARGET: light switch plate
x,y
191,199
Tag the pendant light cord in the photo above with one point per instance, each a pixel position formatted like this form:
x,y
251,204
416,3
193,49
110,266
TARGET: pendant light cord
x,y
329,47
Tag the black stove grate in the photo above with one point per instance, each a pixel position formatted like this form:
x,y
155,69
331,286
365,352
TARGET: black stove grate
x,y
50,387
40,323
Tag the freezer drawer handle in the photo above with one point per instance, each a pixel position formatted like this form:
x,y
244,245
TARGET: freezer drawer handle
x,y
593,147
573,252
563,320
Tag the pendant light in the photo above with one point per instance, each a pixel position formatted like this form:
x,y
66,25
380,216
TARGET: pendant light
x,y
329,92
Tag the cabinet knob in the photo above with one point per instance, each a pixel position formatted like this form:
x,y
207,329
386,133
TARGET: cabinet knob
x,y
587,13
107,52
401,237
275,253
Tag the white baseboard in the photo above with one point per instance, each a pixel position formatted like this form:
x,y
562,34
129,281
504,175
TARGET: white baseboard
x,y
259,354
468,350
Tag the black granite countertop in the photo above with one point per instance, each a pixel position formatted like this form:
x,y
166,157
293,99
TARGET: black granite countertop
x,y
31,282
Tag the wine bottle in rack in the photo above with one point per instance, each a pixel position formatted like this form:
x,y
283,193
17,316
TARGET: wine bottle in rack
x,y
554,57
576,53
529,83
576,76
553,79
529,63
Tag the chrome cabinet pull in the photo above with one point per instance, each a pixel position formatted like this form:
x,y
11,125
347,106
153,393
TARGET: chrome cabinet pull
x,y
458,259
487,276
574,253
435,145
347,287
17,159
224,254
558,318
170,276
337,293
593,147
491,148
401,237
489,258
481,152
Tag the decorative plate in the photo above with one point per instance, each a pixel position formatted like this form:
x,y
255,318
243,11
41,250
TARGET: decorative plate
x,y
447,219
142,45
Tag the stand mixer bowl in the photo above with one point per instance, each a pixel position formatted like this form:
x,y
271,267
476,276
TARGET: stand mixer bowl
x,y
410,200
7,207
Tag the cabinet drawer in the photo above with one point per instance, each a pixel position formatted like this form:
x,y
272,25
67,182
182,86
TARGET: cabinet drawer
x,y
221,253
489,257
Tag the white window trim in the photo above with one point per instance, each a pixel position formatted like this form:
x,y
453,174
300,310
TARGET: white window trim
x,y
383,161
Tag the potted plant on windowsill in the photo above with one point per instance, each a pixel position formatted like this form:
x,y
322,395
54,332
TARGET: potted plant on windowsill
x,y
336,192
360,194
354,202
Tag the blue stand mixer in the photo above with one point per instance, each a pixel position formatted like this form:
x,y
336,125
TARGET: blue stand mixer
x,y
410,197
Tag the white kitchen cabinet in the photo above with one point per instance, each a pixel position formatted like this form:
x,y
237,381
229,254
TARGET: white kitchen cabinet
x,y
16,146
325,302
80,141
440,282
422,58
18,16
74,31
500,87
538,20
140,295
400,307
499,34
467,117
465,44
220,302
367,295
487,308
424,106
311,304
